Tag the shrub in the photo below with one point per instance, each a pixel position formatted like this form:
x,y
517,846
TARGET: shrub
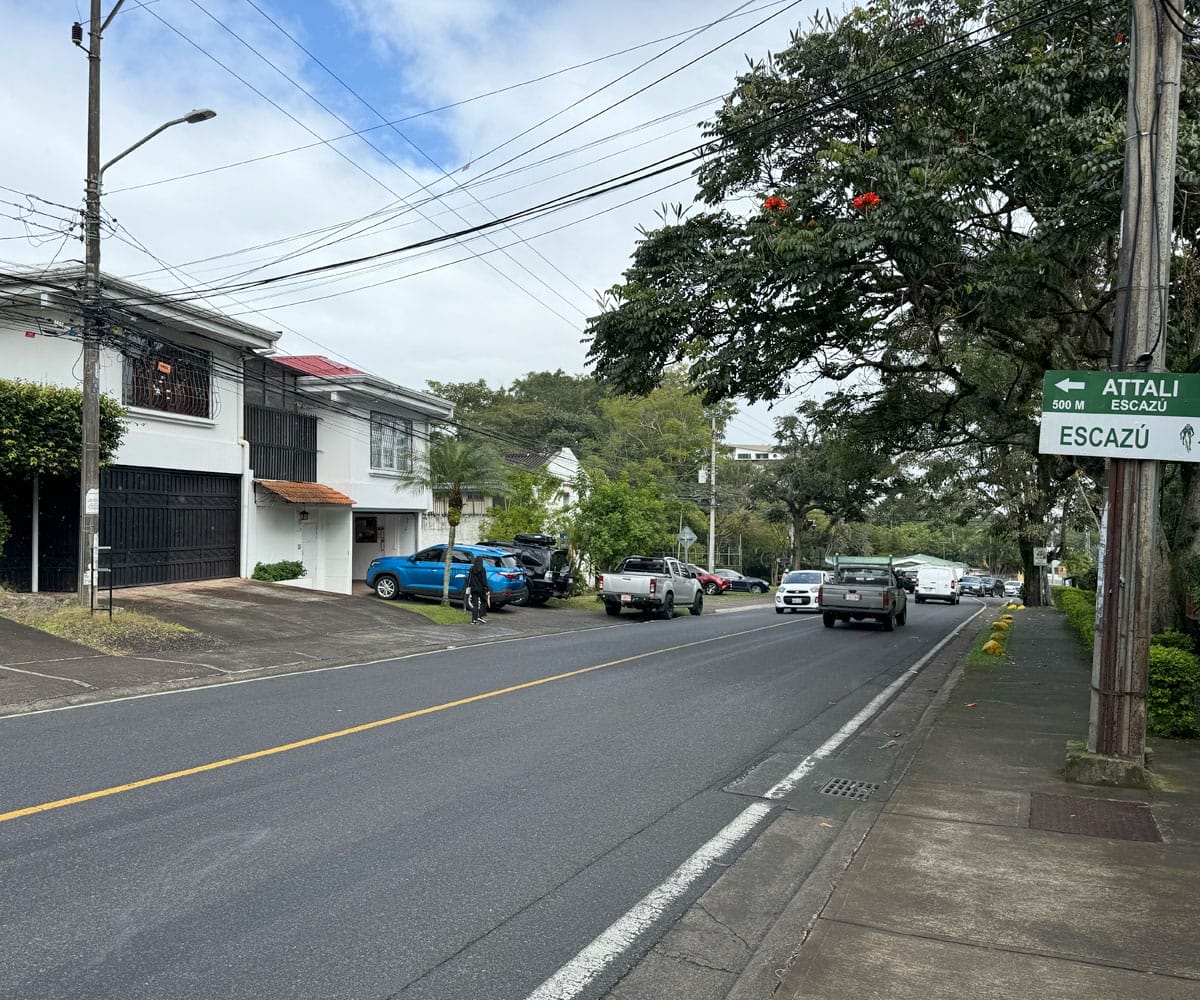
x,y
1174,640
1171,699
1079,608
285,569
4,530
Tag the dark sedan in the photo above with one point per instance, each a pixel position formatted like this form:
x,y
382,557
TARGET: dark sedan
x,y
743,584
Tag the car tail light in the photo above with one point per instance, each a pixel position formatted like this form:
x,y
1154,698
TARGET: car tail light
x,y
887,599
654,585
599,581
821,594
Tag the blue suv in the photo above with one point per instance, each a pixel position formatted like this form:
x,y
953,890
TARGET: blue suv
x,y
422,573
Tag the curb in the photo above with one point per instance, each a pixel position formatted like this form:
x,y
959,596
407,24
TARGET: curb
x,y
764,974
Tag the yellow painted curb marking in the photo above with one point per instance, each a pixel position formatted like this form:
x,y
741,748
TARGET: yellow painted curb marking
x,y
364,727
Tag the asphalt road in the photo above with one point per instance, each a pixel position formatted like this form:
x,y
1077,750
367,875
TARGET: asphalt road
x,y
452,824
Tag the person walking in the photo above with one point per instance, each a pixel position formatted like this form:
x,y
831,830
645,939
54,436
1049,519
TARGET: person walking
x,y
478,593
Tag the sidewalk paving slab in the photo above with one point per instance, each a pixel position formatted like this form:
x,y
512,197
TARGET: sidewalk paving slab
x,y
953,895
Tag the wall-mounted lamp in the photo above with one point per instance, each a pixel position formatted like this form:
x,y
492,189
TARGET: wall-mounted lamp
x,y
303,515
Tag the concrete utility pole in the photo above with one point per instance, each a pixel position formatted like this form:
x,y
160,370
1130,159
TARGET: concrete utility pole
x,y
1120,668
89,469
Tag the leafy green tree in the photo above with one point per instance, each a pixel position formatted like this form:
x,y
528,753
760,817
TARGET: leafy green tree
x,y
615,518
932,242
526,508
40,430
836,472
451,464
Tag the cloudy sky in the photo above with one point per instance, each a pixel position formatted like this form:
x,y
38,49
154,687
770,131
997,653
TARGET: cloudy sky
x,y
346,128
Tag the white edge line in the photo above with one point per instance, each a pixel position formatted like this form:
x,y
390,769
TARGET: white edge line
x,y
790,781
573,977
570,980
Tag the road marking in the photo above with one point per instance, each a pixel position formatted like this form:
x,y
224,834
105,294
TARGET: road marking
x,y
53,677
573,978
362,728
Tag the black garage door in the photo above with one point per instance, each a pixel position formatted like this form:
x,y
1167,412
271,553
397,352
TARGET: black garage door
x,y
169,527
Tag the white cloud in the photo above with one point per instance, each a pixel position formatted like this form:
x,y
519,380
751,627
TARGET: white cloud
x,y
458,322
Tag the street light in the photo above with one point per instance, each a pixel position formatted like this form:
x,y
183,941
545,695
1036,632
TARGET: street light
x,y
89,468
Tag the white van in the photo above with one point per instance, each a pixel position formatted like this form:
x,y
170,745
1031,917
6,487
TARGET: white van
x,y
936,583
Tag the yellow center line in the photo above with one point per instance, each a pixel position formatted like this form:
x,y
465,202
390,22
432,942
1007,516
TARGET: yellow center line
x,y
353,730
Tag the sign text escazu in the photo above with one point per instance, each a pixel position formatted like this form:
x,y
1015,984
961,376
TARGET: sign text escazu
x,y
1133,415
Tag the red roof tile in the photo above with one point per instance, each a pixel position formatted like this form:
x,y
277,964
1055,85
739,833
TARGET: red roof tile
x,y
313,493
316,364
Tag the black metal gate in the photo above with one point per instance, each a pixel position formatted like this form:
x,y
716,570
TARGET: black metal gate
x,y
169,527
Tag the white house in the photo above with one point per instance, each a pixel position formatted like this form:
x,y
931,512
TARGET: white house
x,y
561,464
370,434
230,457
173,497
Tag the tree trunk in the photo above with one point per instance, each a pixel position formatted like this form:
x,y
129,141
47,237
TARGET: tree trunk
x,y
449,560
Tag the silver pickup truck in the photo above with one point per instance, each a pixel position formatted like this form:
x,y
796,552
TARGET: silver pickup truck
x,y
650,583
864,588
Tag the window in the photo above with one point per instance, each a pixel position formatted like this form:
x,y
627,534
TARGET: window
x,y
169,378
391,443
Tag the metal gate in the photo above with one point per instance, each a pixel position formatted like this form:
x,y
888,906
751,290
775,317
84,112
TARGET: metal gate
x,y
169,527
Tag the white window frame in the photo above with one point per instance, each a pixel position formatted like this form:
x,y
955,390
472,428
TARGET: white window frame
x,y
391,443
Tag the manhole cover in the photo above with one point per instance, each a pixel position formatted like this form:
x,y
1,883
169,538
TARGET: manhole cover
x,y
1093,817
848,789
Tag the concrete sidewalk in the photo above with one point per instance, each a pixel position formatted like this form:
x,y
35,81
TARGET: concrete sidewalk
x,y
985,875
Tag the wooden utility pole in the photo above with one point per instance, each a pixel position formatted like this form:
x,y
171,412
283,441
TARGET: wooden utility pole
x,y
1120,668
712,499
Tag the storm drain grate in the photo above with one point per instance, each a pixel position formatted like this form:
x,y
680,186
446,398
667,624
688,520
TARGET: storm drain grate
x,y
1093,817
848,789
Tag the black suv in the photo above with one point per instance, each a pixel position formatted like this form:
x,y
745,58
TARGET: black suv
x,y
547,567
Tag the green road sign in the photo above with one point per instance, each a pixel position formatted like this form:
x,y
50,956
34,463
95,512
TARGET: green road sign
x,y
1135,415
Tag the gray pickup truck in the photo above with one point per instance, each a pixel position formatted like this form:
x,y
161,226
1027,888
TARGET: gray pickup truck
x,y
864,587
650,583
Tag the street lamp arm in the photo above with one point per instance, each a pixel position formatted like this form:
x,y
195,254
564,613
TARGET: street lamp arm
x,y
201,115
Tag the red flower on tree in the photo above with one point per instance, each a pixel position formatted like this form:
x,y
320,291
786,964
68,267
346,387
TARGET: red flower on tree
x,y
866,201
776,203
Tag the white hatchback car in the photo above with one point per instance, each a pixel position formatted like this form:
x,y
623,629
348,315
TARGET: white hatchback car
x,y
798,590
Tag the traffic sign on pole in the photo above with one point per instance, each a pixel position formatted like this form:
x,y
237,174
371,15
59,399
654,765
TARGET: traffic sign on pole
x,y
1131,415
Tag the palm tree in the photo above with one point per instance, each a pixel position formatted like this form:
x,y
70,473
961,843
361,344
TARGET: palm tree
x,y
451,465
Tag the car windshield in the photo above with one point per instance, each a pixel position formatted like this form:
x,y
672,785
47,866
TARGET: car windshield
x,y
971,580
804,576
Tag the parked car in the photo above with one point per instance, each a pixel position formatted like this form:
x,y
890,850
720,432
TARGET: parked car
x,y
710,582
650,583
908,579
743,584
422,573
547,567
799,590
971,585
1013,588
992,586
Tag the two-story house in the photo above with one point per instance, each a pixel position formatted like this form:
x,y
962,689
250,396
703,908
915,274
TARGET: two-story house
x,y
370,439
172,499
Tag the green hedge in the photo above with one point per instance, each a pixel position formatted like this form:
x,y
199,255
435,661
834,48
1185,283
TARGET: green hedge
x,y
286,569
1174,640
1174,681
1171,699
1079,607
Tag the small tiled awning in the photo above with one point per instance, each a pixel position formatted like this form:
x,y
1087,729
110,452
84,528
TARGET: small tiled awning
x,y
313,493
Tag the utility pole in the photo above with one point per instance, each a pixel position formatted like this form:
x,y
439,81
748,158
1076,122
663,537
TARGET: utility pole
x,y
89,468
1120,667
712,498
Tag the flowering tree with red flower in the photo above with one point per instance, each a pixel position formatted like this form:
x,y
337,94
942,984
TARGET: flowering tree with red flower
x,y
866,201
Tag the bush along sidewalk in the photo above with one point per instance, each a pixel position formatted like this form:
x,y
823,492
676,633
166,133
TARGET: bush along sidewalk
x,y
1174,680
276,572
